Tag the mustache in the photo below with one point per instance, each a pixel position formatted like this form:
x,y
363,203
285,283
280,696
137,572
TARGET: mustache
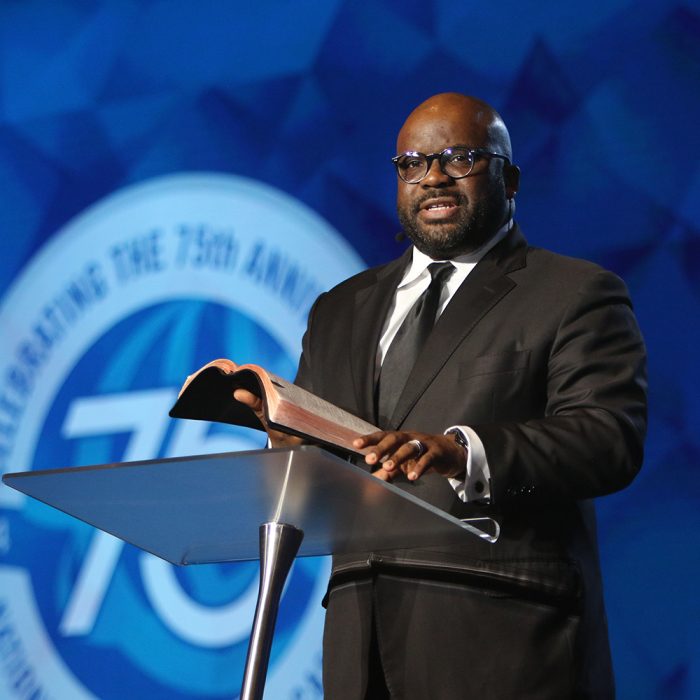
x,y
460,198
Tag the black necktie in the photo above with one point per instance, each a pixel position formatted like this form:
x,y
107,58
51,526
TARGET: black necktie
x,y
408,342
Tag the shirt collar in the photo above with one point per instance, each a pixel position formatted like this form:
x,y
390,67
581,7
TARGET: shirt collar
x,y
420,261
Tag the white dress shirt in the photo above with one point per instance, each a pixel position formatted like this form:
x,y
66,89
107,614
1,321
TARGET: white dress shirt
x,y
415,281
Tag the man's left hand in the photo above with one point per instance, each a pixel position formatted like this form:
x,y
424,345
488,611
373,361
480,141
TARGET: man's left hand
x,y
439,453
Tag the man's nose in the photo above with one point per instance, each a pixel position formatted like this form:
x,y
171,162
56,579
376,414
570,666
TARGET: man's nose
x,y
435,177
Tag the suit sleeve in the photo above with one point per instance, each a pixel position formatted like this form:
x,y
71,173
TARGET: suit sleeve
x,y
590,441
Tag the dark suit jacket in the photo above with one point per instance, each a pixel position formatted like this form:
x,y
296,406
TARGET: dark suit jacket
x,y
541,355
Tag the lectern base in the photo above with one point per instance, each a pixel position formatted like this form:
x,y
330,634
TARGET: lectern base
x,y
279,544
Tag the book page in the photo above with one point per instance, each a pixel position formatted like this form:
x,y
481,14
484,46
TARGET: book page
x,y
313,404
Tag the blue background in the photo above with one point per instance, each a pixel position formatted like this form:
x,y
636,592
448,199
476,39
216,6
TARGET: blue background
x,y
602,101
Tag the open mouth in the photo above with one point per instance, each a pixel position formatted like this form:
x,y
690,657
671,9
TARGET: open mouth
x,y
438,208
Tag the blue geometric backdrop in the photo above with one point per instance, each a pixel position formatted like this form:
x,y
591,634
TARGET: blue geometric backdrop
x,y
603,104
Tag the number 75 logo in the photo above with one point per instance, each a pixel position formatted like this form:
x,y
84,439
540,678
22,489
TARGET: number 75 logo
x,y
144,414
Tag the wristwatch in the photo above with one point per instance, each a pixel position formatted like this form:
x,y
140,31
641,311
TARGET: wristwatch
x,y
460,439
478,485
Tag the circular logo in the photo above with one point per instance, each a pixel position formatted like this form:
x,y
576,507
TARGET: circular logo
x,y
99,332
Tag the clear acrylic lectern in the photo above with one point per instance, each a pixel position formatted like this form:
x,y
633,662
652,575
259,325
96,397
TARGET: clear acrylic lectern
x,y
267,504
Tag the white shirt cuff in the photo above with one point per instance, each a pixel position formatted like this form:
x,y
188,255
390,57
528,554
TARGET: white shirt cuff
x,y
476,484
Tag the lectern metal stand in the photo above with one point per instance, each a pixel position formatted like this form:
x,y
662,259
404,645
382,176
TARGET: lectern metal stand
x,y
198,510
279,544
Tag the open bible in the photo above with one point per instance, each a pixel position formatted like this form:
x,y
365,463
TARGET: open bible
x,y
208,395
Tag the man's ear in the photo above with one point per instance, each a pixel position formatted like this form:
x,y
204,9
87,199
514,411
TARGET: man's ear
x,y
511,177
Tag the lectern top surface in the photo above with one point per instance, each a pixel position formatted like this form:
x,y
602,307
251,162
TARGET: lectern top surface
x,y
194,510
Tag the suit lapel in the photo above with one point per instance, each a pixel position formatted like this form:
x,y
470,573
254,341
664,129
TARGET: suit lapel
x,y
485,286
372,305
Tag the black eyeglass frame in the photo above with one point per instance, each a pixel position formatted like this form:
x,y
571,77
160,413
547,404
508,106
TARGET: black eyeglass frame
x,y
442,160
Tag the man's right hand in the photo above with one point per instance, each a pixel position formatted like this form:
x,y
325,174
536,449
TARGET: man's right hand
x,y
277,438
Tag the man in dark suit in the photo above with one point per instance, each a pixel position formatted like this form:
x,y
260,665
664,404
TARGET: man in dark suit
x,y
526,400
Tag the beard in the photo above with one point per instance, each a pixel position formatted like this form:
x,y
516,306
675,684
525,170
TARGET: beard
x,y
474,223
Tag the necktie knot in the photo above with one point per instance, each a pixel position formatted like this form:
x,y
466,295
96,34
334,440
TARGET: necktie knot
x,y
440,272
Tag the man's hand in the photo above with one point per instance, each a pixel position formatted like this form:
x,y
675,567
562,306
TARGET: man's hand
x,y
440,454
277,438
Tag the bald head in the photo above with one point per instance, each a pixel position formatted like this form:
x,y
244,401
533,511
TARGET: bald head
x,y
479,118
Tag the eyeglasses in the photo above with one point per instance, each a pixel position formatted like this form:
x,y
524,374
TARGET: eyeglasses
x,y
455,162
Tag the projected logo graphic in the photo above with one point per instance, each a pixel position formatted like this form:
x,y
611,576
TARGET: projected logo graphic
x,y
102,328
